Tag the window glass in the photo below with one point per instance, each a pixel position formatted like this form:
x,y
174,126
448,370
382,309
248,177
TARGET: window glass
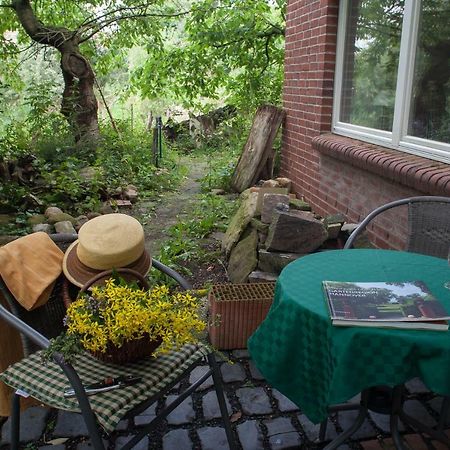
x,y
371,54
430,103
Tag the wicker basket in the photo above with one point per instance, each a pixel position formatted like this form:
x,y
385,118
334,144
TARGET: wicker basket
x,y
236,310
129,351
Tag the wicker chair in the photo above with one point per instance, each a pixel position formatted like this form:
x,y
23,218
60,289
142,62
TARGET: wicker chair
x,y
428,224
47,382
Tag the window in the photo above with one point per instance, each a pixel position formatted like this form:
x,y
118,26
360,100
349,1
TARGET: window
x,y
393,74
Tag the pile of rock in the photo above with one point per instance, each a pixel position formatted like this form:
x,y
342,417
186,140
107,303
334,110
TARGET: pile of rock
x,y
273,228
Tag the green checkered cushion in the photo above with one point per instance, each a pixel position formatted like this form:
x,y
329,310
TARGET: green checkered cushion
x,y
47,382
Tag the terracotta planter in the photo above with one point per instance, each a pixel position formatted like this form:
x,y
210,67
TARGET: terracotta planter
x,y
236,310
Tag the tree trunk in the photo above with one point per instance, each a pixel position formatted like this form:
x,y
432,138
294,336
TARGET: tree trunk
x,y
79,104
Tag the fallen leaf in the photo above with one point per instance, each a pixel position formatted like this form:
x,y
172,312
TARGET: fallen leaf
x,y
236,416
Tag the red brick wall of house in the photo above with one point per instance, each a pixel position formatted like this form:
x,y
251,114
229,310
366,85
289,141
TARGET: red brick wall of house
x,y
328,182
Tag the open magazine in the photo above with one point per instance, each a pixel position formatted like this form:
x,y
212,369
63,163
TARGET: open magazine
x,y
385,304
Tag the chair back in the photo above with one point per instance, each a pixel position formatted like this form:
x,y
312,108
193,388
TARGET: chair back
x,y
428,224
429,228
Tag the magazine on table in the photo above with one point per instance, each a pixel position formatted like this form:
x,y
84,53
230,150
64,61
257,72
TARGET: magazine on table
x,y
406,304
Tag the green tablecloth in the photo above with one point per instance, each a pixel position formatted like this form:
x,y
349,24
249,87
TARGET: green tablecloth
x,y
316,364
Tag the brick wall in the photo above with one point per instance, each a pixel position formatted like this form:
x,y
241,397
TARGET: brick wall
x,y
352,182
308,91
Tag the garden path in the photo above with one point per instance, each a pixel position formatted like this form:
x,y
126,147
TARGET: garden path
x,y
157,219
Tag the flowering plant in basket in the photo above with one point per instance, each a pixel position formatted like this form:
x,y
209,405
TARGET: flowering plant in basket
x,y
112,317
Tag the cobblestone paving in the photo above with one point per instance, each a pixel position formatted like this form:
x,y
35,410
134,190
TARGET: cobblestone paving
x,y
263,419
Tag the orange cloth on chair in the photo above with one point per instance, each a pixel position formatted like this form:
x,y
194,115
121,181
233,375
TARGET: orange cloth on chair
x,y
29,266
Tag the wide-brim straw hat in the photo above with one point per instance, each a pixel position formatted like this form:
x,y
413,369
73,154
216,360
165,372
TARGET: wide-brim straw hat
x,y
107,242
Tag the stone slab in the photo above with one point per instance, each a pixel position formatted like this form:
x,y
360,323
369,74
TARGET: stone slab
x,y
240,220
250,435
254,400
232,372
177,440
295,232
197,373
270,203
213,438
258,276
282,434
210,404
141,445
243,258
284,404
275,262
70,424
268,190
32,424
183,413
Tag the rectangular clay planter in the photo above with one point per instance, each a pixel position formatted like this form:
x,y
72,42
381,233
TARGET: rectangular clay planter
x,y
236,310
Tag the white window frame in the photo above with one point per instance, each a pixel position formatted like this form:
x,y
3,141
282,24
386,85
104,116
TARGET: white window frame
x,y
397,139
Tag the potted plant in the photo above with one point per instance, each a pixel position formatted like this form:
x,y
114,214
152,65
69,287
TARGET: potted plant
x,y
120,322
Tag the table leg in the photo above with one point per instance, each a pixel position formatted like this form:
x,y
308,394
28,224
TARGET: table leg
x,y
335,443
397,402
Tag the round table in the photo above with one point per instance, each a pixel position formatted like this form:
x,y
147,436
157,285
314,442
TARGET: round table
x,y
317,365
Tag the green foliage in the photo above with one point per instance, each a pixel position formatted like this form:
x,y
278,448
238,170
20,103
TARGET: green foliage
x,y
186,237
67,345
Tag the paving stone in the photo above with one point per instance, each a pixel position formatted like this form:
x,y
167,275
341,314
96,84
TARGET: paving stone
x,y
32,424
284,404
146,416
183,413
436,404
213,438
210,406
415,442
373,444
254,400
232,372
250,435
382,421
177,440
312,429
346,420
415,409
282,433
70,424
197,373
416,386
254,371
141,445
243,353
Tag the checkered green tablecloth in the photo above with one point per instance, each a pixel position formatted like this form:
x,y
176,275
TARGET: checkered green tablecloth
x,y
316,364
48,382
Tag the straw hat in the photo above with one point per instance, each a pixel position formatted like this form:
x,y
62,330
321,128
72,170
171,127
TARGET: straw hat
x,y
107,242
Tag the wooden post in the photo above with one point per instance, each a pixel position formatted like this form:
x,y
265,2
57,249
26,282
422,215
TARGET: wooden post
x,y
258,147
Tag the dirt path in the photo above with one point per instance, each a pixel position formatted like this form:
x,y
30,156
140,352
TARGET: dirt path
x,y
174,206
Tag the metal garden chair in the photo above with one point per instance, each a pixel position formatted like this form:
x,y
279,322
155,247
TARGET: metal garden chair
x,y
428,224
47,382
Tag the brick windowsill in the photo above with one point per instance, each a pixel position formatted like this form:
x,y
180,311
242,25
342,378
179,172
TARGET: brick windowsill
x,y
424,175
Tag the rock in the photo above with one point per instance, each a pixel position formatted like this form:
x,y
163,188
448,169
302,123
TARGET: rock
x,y
333,230
36,219
45,227
275,262
262,239
260,226
284,183
217,192
60,217
301,205
80,221
106,209
258,276
121,204
65,227
349,227
263,191
243,258
92,215
335,218
295,232
52,210
270,184
240,220
88,173
270,202
130,193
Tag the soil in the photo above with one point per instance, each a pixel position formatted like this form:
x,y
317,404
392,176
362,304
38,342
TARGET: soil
x,y
175,206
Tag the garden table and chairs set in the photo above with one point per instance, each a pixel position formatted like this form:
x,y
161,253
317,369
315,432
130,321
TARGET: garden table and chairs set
x,y
316,365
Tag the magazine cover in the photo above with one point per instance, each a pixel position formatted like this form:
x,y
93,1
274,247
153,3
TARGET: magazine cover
x,y
383,302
